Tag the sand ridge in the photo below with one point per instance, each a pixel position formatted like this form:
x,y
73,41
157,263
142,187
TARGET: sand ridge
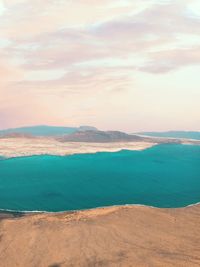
x,y
113,236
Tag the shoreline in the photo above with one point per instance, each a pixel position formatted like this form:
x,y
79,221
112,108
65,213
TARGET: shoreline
x,y
25,147
2,157
17,214
11,148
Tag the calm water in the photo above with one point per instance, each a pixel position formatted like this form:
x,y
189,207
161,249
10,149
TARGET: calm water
x,y
162,176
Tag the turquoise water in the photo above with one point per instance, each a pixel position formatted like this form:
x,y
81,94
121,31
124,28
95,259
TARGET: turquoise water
x,y
162,176
175,134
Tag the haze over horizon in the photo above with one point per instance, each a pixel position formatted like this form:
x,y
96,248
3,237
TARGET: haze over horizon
x,y
79,126
113,64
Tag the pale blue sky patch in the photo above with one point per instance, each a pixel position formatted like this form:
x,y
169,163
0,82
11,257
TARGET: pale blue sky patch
x,y
194,8
130,61
44,75
4,43
2,8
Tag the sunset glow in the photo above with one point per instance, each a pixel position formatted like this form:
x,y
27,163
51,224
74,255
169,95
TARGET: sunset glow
x,y
124,65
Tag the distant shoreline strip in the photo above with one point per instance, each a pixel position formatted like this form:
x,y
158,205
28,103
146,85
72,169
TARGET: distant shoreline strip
x,y
18,213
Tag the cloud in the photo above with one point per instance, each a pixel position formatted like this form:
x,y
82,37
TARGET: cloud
x,y
121,37
68,52
165,61
82,82
31,18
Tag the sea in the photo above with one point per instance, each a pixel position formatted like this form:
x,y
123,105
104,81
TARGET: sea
x,y
163,176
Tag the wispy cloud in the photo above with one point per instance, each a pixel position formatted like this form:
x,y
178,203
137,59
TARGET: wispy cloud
x,y
82,48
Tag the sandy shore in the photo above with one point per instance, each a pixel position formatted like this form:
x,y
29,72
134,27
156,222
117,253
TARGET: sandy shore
x,y
17,147
116,236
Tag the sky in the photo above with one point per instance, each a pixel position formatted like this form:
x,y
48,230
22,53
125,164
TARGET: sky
x,y
130,65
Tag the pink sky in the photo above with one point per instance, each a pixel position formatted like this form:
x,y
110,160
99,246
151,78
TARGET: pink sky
x,y
114,64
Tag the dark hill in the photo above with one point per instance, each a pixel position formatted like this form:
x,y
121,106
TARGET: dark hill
x,y
99,137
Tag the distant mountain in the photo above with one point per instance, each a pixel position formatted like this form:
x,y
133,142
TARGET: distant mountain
x,y
43,130
87,128
16,135
99,137
92,134
174,134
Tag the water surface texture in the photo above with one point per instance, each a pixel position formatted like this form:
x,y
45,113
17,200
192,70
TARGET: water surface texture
x,y
162,176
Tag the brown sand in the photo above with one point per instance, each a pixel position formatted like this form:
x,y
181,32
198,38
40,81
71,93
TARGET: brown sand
x,y
116,236
16,147
27,146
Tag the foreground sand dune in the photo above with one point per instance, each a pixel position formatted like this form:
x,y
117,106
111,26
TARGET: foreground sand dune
x,y
116,236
